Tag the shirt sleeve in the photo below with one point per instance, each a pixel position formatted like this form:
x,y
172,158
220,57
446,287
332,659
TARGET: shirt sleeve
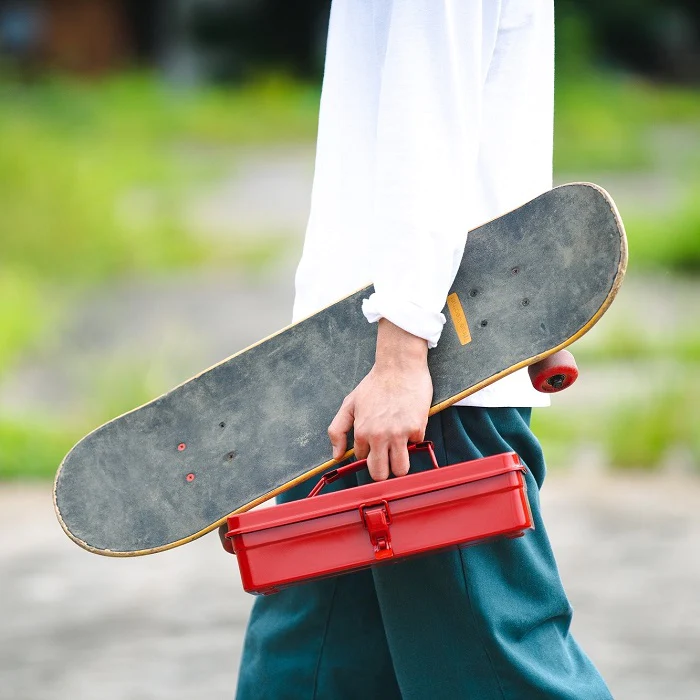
x,y
433,56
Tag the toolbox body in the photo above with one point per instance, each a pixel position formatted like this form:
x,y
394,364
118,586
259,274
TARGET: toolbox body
x,y
380,522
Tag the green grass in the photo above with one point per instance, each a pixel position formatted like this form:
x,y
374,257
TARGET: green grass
x,y
631,344
607,122
612,124
640,434
140,107
25,311
631,434
668,240
92,177
32,451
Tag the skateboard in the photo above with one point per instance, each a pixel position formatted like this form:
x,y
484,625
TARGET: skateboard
x,y
530,283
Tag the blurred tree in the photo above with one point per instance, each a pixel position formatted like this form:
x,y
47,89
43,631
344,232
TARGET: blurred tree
x,y
657,38
146,28
232,39
248,36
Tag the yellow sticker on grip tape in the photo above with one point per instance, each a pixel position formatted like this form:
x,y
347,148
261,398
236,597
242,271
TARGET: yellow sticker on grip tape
x,y
459,319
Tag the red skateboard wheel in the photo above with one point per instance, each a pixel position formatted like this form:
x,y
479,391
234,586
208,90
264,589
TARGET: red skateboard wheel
x,y
554,373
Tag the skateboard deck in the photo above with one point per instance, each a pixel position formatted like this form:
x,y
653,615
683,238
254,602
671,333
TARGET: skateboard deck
x,y
530,283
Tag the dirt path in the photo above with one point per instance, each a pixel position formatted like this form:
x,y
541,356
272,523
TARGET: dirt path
x,y
76,626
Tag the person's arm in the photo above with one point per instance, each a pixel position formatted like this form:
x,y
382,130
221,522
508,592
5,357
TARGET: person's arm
x,y
432,57
389,407
429,119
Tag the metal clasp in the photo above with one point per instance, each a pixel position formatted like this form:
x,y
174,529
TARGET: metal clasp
x,y
376,518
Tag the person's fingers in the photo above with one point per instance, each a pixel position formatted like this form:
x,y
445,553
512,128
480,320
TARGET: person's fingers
x,y
361,446
417,434
339,427
398,458
378,460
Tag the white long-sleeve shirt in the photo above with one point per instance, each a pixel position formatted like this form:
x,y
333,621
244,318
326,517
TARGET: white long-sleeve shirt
x,y
436,116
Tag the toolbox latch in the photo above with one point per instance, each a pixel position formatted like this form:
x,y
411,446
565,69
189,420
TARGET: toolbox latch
x,y
376,519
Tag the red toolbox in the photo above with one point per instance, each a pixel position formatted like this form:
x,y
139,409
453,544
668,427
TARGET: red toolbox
x,y
325,535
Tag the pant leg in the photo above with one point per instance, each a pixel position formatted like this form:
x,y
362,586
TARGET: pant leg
x,y
491,621
320,640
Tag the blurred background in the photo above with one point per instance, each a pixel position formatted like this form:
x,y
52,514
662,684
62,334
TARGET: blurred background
x,y
155,171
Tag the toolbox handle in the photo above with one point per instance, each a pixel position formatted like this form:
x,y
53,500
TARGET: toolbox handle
x,y
335,474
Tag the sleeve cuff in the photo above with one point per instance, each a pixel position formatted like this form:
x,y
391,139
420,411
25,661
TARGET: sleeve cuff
x,y
405,314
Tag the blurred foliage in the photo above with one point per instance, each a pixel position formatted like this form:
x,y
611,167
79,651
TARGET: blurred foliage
x,y
660,429
659,39
92,175
31,451
628,344
93,178
24,312
668,240
607,123
645,433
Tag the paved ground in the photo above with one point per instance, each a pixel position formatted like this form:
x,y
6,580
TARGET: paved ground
x,y
75,626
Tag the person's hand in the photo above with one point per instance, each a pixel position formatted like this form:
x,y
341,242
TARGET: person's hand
x,y
389,407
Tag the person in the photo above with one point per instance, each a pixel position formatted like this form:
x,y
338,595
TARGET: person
x,y
436,115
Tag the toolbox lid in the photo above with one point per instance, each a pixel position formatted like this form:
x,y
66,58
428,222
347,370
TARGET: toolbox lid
x,y
390,490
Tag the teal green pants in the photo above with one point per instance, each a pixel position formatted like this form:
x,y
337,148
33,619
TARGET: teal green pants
x,y
489,622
